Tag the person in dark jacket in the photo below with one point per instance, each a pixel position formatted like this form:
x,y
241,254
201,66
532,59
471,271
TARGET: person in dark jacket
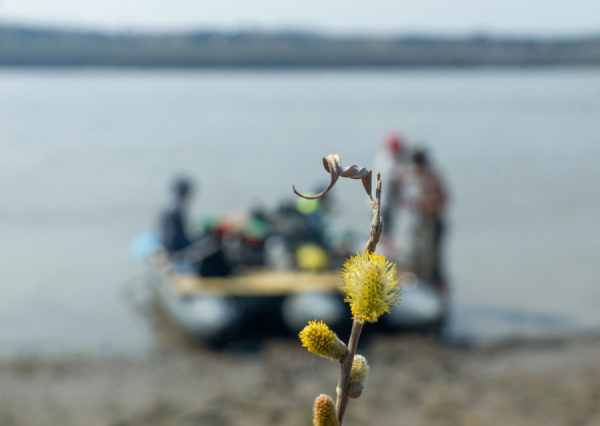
x,y
205,252
172,224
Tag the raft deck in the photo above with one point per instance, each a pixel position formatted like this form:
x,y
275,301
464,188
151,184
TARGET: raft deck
x,y
260,282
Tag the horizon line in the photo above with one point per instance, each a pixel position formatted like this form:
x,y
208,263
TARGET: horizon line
x,y
299,30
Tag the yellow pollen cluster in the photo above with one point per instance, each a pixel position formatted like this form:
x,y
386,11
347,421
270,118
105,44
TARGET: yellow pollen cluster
x,y
370,285
325,414
318,338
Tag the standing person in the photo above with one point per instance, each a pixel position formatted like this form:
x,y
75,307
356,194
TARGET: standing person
x,y
172,222
429,205
390,163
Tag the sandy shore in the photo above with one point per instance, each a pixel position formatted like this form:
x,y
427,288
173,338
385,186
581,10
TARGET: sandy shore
x,y
413,381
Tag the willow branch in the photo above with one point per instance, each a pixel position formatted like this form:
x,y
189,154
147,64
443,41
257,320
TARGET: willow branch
x,y
342,389
357,325
377,223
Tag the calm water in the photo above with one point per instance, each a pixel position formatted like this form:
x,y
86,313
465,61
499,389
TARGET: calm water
x,y
85,157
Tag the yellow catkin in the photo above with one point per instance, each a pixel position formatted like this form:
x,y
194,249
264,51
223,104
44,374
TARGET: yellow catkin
x,y
318,338
325,414
371,285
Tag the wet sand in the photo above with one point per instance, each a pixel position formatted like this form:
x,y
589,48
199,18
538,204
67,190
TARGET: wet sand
x,y
413,381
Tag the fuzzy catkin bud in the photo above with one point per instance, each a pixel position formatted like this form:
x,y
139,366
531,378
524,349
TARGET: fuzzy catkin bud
x,y
320,340
325,414
358,376
370,285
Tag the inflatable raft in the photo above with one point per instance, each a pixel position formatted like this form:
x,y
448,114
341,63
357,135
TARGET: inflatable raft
x,y
220,310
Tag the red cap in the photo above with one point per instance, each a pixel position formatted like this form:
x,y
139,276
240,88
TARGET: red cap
x,y
394,142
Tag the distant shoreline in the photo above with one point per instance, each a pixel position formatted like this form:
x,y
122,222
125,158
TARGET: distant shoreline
x,y
301,69
34,47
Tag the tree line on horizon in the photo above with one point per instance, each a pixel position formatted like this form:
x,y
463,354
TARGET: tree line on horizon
x,y
23,46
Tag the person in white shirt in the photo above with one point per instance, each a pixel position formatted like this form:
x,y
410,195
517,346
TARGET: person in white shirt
x,y
390,163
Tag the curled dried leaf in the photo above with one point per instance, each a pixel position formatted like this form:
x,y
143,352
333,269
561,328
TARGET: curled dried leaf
x,y
333,166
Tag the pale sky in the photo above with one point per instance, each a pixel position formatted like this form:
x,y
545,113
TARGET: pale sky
x,y
536,17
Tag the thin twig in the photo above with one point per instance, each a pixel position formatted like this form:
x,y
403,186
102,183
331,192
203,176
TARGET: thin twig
x,y
342,389
377,223
357,325
333,166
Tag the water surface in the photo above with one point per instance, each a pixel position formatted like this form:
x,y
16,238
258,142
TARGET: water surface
x,y
85,158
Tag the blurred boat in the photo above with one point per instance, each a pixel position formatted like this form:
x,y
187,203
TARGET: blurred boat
x,y
260,302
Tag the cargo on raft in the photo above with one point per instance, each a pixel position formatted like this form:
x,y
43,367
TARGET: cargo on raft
x,y
259,302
